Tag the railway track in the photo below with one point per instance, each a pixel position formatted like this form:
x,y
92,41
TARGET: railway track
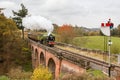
x,y
96,54
77,57
83,60
89,62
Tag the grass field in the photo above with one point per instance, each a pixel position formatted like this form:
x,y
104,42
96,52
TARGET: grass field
x,y
97,42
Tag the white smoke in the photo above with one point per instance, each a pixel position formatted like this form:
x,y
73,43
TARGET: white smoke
x,y
38,23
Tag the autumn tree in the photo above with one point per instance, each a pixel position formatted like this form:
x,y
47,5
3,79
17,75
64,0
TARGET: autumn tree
x,y
18,18
66,33
12,48
7,31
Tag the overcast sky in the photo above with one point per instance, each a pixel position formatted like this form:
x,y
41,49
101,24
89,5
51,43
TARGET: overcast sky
x,y
87,13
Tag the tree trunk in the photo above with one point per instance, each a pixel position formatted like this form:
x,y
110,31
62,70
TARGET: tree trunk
x,y
23,33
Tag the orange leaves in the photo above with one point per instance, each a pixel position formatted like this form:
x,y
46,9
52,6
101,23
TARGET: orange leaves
x,y
66,33
65,29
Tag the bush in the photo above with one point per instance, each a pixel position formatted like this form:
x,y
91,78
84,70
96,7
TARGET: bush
x,y
97,74
41,73
90,75
4,78
75,76
19,74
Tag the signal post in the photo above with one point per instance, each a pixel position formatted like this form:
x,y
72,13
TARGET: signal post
x,y
105,28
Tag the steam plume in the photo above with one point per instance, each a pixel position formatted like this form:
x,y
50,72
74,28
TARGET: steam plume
x,y
38,23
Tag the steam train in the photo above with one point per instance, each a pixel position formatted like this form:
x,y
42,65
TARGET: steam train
x,y
44,39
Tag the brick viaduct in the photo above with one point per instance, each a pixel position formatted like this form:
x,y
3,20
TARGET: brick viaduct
x,y
51,59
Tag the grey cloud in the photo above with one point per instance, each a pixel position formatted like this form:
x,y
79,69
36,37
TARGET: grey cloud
x,y
80,12
7,4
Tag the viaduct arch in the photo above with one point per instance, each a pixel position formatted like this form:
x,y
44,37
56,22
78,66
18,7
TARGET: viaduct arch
x,y
42,59
42,55
52,66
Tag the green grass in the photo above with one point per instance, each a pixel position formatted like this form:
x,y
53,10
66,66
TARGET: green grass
x,y
97,42
4,78
97,73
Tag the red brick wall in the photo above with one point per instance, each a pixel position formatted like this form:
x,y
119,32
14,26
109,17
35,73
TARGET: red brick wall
x,y
70,67
118,78
59,64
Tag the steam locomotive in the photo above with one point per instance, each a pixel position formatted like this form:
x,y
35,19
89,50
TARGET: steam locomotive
x,y
44,39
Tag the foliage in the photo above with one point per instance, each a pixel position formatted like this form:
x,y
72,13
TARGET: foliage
x,y
75,76
116,31
55,28
66,33
82,31
118,28
27,66
19,16
22,55
96,73
41,73
79,31
7,31
22,13
93,33
18,56
13,49
4,78
19,74
91,75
